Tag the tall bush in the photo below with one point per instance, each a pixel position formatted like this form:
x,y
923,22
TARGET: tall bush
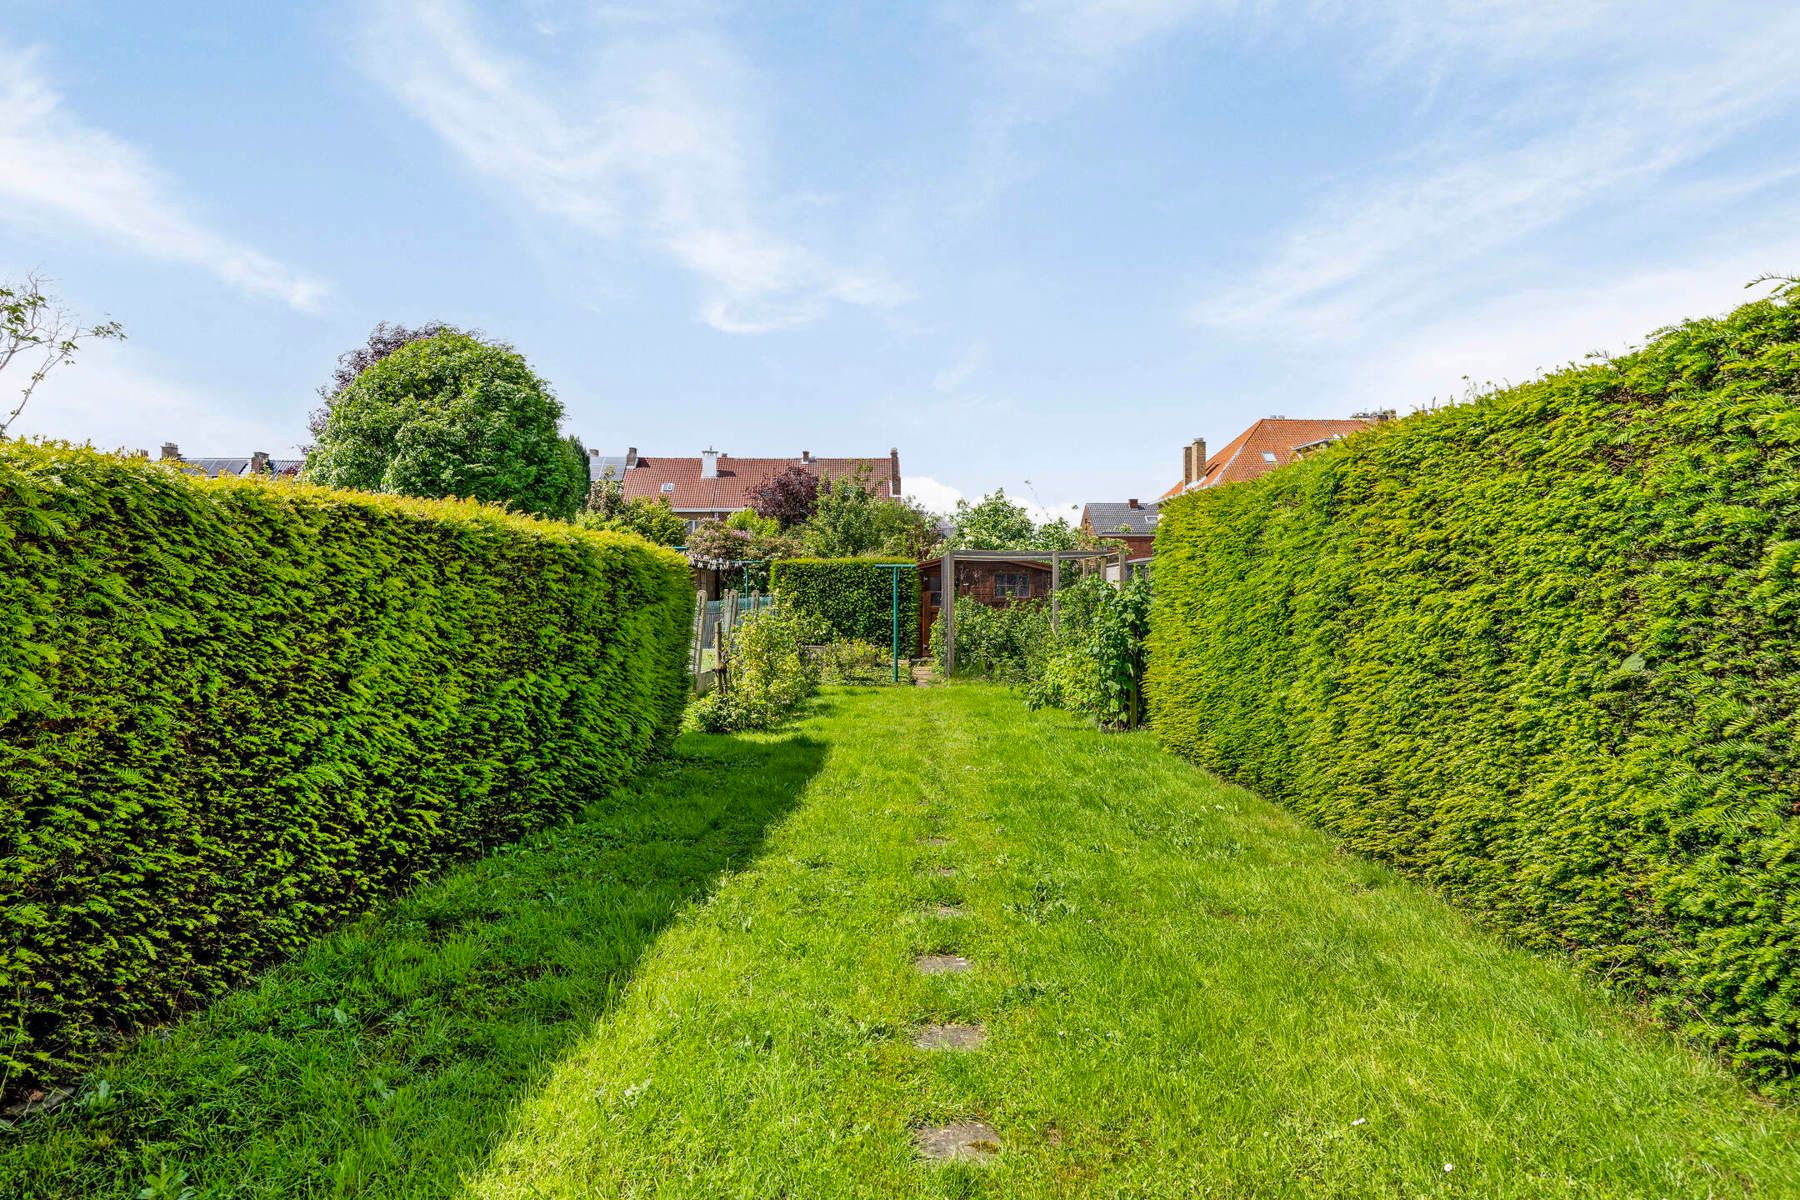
x,y
451,415
1543,650
766,673
232,712
854,596
1095,660
995,642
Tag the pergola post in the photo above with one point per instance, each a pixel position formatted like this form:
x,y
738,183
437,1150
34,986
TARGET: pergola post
x,y
948,587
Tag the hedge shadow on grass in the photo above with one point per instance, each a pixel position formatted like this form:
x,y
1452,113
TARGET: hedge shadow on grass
x,y
384,1060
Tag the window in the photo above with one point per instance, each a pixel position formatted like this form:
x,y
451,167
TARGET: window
x,y
668,489
1012,585
1268,456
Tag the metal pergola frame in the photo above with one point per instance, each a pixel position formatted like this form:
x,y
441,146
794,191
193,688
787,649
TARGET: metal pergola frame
x,y
1054,557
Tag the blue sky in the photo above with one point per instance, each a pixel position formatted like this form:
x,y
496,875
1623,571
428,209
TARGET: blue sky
x,y
1047,241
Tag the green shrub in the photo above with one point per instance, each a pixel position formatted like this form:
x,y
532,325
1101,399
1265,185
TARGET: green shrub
x,y
768,673
854,596
853,662
1094,662
1543,650
451,415
995,642
233,712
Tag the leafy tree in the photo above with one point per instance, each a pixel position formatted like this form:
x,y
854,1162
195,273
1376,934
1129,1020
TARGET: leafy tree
x,y
652,520
1056,534
450,415
788,498
750,521
384,339
33,326
851,522
994,523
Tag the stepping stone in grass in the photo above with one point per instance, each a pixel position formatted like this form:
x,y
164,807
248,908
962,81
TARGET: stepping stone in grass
x,y
945,872
941,964
949,1037
967,1141
934,840
946,910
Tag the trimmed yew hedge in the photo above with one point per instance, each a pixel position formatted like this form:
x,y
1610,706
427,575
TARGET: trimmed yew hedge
x,y
233,712
855,596
1542,650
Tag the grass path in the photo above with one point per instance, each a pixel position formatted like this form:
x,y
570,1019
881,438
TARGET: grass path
x,y
1184,994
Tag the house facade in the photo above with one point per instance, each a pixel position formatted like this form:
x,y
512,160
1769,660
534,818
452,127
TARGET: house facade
x,y
713,485
1129,523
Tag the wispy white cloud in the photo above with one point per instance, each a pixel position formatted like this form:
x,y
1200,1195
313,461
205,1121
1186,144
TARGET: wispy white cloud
x,y
653,140
56,172
953,378
1402,236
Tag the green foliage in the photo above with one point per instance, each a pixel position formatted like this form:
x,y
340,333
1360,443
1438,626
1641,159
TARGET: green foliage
x,y
748,520
1095,662
767,673
853,596
850,521
1543,650
854,662
996,523
37,335
992,523
996,642
653,520
231,713
451,415
677,975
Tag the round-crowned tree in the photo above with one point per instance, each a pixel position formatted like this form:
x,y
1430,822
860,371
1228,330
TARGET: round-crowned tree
x,y
451,415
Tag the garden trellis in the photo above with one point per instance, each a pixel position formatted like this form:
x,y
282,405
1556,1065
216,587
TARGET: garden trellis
x,y
1055,558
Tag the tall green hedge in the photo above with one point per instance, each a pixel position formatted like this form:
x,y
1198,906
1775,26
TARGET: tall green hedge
x,y
1543,650
232,712
854,595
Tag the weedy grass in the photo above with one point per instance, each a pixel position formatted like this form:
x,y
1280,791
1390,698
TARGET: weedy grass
x,y
1184,993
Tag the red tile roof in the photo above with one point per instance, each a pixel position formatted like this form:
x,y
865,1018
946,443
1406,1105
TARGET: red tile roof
x,y
1271,442
731,490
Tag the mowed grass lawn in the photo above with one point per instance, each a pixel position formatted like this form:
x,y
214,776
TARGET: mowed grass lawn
x,y
706,987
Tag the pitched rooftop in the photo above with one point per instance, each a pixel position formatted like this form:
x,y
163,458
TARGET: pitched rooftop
x,y
718,483
1270,443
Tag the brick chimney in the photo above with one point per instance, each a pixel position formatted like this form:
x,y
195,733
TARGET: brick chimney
x,y
1193,461
894,471
630,457
170,451
806,457
259,462
709,463
1132,503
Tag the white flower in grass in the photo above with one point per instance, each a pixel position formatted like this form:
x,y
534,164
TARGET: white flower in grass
x,y
1447,1168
